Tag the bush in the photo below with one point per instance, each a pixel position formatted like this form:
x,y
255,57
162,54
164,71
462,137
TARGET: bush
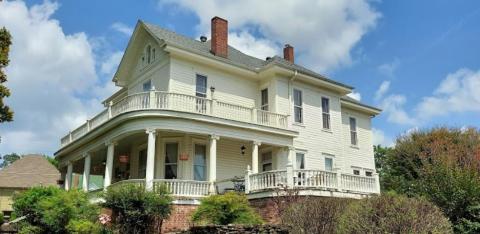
x,y
1,218
50,209
83,227
229,208
137,210
314,214
393,214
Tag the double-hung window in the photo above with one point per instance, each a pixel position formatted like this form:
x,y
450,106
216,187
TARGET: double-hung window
x,y
201,93
328,164
298,106
353,131
264,101
171,157
267,164
326,113
200,163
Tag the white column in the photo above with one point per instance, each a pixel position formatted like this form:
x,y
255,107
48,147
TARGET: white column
x,y
86,172
290,167
150,174
247,180
68,176
377,183
255,156
109,165
212,163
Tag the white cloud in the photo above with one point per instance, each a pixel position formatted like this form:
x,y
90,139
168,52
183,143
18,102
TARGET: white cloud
x,y
111,63
458,92
388,69
384,87
355,95
322,32
51,75
247,43
393,107
122,28
379,138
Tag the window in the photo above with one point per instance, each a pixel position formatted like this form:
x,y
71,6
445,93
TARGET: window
x,y
368,173
149,54
171,155
356,172
201,92
267,161
326,112
147,85
328,164
264,101
297,106
300,161
353,131
153,54
142,164
200,163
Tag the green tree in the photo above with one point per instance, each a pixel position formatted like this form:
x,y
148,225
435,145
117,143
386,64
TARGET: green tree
x,y
137,210
442,165
6,114
229,208
9,159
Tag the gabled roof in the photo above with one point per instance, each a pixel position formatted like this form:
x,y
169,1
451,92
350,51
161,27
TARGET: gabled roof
x,y
235,57
29,171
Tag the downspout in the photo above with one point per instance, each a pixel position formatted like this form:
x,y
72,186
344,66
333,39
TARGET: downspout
x,y
290,92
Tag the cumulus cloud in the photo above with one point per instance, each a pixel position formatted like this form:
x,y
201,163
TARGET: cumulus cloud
x,y
111,63
122,28
51,75
247,43
458,92
322,32
393,107
388,69
382,89
379,138
355,95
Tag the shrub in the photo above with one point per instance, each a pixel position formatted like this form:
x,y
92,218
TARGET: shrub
x,y
30,229
393,214
50,209
83,227
1,218
314,214
137,210
229,208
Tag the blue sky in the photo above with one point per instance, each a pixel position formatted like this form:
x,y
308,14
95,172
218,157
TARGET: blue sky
x,y
417,60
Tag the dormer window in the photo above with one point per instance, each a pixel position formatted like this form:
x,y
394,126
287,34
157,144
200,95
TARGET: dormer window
x,y
149,54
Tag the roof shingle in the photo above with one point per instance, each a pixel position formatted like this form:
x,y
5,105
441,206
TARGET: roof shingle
x,y
29,171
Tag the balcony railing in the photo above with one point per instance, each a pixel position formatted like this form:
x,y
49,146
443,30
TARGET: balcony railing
x,y
311,179
179,102
183,188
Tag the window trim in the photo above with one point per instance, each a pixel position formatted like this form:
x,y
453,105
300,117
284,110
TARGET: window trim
x,y
299,107
265,162
264,105
297,153
206,160
326,114
203,95
353,132
328,156
145,82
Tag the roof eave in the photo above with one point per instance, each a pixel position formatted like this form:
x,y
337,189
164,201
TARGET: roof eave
x,y
373,111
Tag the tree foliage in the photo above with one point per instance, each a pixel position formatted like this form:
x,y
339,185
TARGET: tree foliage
x,y
442,165
228,208
9,159
6,114
137,210
391,213
51,210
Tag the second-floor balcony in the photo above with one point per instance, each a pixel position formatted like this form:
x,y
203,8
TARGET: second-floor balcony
x,y
156,100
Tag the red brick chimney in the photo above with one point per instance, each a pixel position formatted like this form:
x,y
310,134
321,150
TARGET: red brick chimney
x,y
219,39
288,53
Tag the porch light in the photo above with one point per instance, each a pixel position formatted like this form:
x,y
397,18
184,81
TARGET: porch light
x,y
243,149
212,89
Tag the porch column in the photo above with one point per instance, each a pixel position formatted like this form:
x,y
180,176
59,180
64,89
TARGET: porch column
x,y
212,165
109,165
255,156
68,176
86,172
290,167
150,174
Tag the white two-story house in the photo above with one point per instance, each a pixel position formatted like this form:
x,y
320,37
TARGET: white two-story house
x,y
204,118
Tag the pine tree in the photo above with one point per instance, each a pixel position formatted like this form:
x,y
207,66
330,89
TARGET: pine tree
x,y
6,114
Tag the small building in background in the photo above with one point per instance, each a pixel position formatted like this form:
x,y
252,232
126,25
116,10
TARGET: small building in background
x,y
27,172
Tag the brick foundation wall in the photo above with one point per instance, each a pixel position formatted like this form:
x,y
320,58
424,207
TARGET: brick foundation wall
x,y
179,219
267,209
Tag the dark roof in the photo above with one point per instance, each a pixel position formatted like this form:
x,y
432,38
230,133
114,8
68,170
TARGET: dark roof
x,y
355,101
29,171
235,57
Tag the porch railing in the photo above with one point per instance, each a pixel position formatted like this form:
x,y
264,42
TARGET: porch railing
x,y
311,179
186,188
179,102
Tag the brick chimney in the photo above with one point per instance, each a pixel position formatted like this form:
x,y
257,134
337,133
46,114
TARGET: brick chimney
x,y
219,39
288,53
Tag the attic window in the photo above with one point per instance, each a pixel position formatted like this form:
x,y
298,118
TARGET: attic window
x,y
149,54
